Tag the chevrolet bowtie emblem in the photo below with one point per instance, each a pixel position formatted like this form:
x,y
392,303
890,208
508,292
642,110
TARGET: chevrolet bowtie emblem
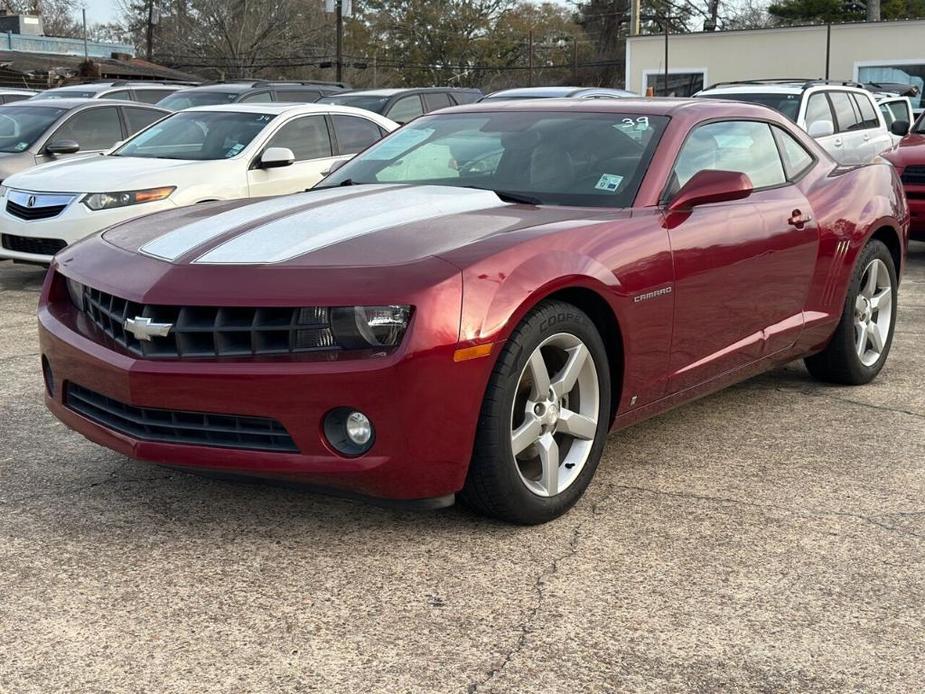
x,y
145,329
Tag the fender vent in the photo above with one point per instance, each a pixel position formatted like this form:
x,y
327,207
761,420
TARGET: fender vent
x,y
830,293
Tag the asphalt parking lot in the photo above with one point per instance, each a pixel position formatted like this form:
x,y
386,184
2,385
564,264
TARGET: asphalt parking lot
x,y
770,537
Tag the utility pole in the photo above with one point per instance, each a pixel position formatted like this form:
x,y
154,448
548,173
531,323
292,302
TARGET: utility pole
x,y
873,10
86,48
149,32
634,17
530,58
339,14
575,58
665,22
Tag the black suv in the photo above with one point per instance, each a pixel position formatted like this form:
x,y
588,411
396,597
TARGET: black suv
x,y
249,92
403,105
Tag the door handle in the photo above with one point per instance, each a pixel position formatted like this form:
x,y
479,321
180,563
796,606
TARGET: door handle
x,y
866,136
798,220
837,142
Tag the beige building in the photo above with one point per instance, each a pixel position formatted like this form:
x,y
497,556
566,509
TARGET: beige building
x,y
865,52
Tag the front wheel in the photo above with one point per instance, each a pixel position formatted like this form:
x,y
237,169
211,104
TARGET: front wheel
x,y
544,418
862,340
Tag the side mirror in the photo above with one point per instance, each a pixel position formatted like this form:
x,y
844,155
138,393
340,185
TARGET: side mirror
x,y
334,167
276,157
62,147
821,128
900,127
711,186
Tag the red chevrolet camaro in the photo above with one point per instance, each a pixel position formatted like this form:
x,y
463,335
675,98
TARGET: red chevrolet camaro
x,y
909,159
469,306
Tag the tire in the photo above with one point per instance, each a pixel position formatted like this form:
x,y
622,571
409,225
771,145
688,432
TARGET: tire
x,y
567,423
861,342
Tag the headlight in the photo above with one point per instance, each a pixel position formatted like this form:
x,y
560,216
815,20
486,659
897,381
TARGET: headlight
x,y
108,201
76,291
358,327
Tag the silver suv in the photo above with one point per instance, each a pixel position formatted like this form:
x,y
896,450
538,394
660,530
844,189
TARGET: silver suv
x,y
842,116
144,91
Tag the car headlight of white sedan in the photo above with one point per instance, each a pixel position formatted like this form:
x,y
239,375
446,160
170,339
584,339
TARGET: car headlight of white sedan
x,y
108,201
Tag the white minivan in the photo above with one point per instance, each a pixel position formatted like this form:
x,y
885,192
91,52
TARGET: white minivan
x,y
842,116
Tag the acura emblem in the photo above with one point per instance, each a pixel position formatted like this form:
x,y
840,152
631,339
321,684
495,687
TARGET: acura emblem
x,y
144,329
31,201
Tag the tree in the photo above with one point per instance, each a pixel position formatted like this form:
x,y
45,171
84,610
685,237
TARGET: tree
x,y
58,16
822,11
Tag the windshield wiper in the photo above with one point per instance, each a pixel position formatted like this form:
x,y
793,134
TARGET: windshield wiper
x,y
508,196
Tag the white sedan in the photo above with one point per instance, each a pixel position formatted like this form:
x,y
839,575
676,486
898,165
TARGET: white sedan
x,y
198,155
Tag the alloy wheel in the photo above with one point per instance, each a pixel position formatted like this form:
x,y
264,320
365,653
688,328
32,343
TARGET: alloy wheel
x,y
873,312
555,414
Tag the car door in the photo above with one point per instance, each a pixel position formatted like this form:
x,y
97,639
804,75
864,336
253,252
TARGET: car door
x,y
742,268
894,109
95,129
310,141
819,111
873,127
856,147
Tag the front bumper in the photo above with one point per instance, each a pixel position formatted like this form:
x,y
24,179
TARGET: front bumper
x,y
424,407
74,223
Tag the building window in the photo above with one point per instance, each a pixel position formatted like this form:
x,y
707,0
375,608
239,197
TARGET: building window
x,y
904,74
679,83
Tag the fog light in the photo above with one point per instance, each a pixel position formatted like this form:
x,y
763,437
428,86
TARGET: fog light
x,y
348,431
359,428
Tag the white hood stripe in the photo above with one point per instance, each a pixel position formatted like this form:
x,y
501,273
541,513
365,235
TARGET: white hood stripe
x,y
325,225
180,241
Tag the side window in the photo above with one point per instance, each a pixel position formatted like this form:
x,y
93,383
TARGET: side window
x,y
746,146
93,128
258,98
846,115
466,97
355,134
868,112
151,96
437,100
298,96
121,94
138,118
307,137
899,110
10,98
818,109
796,159
405,109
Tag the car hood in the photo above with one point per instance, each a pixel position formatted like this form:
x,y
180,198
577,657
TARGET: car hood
x,y
910,150
363,225
104,174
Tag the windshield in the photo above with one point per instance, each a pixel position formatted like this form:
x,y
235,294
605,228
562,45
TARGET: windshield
x,y
553,158
181,100
196,136
21,126
787,104
376,104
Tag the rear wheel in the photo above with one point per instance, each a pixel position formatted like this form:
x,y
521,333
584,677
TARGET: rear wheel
x,y
862,340
544,418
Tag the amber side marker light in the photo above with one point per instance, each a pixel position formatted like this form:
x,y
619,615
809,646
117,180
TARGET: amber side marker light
x,y
476,352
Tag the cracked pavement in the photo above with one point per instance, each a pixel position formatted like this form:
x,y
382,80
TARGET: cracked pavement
x,y
767,538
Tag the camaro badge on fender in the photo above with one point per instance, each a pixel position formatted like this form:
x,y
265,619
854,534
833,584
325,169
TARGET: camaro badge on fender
x,y
143,329
652,295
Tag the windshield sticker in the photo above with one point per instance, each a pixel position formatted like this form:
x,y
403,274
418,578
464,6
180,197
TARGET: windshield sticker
x,y
398,143
609,182
20,146
234,150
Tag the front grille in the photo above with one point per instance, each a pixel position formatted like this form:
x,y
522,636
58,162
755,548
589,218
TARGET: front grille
x,y
171,426
26,244
33,213
204,331
914,176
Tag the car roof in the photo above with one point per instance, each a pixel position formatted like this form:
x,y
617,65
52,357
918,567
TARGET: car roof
x,y
651,106
77,102
281,107
552,92
405,90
